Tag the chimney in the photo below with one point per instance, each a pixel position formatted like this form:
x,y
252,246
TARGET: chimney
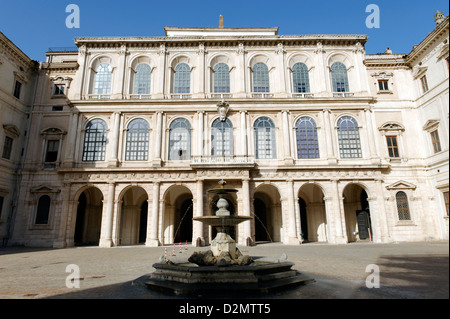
x,y
220,22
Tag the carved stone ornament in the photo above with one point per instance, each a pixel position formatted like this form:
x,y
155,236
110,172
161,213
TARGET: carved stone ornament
x,y
223,108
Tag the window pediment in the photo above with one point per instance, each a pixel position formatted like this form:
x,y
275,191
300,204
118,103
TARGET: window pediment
x,y
418,71
391,126
431,125
401,185
44,189
11,129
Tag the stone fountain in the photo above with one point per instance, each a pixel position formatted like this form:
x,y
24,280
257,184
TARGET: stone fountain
x,y
223,269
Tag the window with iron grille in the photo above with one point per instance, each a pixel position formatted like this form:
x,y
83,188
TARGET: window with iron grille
x,y
222,138
349,139
265,141
221,78
261,82
402,206
307,140
182,79
300,78
339,77
137,141
142,79
95,141
103,76
180,140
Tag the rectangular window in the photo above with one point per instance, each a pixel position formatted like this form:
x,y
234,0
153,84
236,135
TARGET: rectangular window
x,y
59,89
392,146
51,154
435,141
423,81
7,147
17,88
446,201
2,200
383,85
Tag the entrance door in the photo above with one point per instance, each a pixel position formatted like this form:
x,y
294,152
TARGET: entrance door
x,y
303,219
364,224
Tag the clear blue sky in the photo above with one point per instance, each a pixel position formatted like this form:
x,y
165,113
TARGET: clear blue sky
x,y
36,25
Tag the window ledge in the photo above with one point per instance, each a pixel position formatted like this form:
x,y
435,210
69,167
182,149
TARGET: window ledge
x,y
385,92
405,223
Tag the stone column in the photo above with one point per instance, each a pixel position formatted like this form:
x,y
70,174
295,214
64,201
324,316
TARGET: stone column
x,y
197,227
330,137
119,76
158,140
107,218
152,238
78,85
161,68
292,233
287,140
247,226
240,79
60,242
114,160
338,214
71,141
243,134
200,133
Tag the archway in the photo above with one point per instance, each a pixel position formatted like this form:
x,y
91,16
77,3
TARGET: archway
x,y
89,218
267,213
178,214
357,213
313,218
133,216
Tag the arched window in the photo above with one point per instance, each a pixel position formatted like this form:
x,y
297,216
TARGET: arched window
x,y
142,79
348,135
221,78
95,141
339,78
307,141
261,81
43,210
402,206
102,81
222,138
180,140
265,141
137,141
300,78
182,79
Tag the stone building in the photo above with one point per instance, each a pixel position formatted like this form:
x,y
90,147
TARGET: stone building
x,y
17,87
323,142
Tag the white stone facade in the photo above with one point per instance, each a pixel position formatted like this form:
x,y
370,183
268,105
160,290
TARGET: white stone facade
x,y
68,198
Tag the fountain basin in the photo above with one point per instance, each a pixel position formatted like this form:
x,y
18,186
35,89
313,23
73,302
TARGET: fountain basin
x,y
255,278
222,221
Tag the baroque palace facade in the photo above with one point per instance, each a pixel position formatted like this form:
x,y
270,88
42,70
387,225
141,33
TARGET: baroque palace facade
x,y
323,142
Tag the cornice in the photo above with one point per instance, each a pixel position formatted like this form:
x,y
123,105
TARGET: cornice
x,y
117,42
428,41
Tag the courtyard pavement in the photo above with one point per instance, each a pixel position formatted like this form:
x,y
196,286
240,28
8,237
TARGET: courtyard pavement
x,y
406,271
